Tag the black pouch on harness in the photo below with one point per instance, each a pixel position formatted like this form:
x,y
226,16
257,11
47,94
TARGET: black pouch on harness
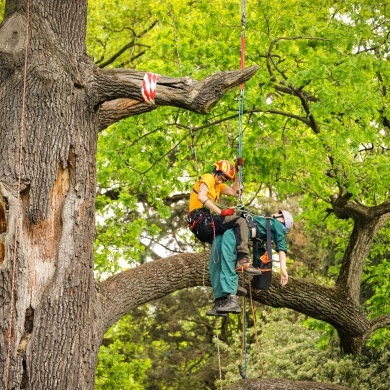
x,y
263,281
263,262
201,223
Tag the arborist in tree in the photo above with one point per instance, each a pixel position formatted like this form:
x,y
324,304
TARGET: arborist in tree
x,y
207,220
224,280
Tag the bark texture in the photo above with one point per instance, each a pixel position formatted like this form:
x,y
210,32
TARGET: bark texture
x,y
49,333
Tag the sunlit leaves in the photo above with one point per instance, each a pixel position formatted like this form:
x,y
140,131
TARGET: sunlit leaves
x,y
302,148
122,360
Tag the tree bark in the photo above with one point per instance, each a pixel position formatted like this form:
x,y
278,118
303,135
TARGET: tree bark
x,y
330,304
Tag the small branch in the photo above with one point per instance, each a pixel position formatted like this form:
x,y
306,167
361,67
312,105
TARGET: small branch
x,y
127,46
120,52
289,91
378,323
283,113
273,44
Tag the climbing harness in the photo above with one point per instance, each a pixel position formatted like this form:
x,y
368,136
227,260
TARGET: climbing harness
x,y
21,139
148,89
200,222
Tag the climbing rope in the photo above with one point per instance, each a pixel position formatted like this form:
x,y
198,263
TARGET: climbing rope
x,y
241,105
21,137
219,359
242,367
256,337
241,100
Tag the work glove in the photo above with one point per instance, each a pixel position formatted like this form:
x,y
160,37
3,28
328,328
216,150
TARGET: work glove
x,y
239,163
226,212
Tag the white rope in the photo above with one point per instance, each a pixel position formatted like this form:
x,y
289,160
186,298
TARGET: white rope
x,y
21,136
219,359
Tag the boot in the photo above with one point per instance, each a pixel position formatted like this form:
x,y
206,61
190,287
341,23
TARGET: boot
x,y
231,306
243,265
217,303
241,291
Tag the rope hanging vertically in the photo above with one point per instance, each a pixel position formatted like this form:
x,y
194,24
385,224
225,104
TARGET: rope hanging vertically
x,y
241,99
243,362
21,140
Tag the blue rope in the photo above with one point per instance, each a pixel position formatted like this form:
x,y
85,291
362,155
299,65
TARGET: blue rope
x,y
241,101
241,105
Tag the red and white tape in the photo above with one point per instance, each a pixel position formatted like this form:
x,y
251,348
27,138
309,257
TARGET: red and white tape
x,y
149,87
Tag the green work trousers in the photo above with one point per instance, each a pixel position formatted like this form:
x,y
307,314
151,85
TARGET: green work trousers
x,y
223,275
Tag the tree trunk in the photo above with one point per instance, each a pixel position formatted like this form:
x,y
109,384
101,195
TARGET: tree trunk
x,y
50,338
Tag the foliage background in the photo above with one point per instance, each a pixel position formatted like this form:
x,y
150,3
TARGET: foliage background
x,y
336,51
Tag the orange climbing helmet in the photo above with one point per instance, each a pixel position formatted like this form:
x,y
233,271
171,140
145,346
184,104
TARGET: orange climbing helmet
x,y
225,167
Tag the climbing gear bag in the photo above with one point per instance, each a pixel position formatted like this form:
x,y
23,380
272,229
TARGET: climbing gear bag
x,y
200,222
263,281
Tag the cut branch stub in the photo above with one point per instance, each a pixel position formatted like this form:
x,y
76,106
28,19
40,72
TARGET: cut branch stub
x,y
12,37
12,41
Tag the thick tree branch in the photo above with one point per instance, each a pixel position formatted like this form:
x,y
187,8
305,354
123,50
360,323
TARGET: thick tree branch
x,y
125,291
197,96
115,110
344,208
331,305
367,222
